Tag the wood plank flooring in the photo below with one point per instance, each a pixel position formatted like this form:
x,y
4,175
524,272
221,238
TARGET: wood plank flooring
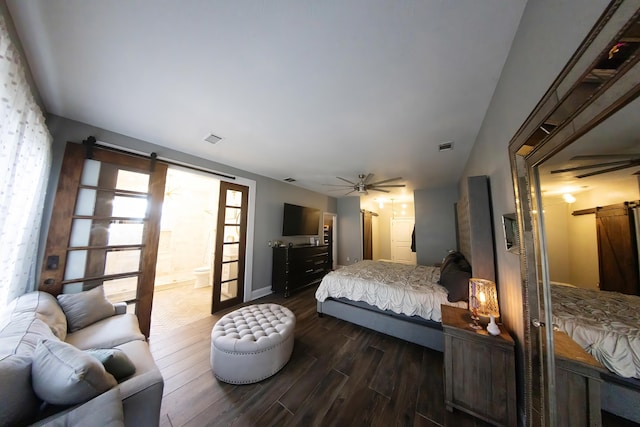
x,y
339,374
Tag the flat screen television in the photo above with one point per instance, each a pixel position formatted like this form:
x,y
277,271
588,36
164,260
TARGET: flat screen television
x,y
300,221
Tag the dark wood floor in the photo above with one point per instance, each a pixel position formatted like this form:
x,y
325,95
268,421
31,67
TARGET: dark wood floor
x,y
339,375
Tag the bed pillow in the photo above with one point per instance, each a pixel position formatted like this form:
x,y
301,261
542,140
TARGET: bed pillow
x,y
63,375
455,258
115,361
456,280
84,308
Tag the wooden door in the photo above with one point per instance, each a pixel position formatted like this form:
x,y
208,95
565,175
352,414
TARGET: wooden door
x,y
231,243
105,227
367,235
617,256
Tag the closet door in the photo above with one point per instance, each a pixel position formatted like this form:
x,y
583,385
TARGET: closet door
x,y
617,249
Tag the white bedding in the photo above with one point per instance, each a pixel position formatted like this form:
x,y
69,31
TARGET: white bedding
x,y
412,290
605,324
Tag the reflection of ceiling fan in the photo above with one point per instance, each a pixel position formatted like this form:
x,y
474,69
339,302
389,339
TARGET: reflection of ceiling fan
x,y
607,163
363,185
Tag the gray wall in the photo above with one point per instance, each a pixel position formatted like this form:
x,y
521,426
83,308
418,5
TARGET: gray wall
x,y
270,194
349,230
548,35
435,223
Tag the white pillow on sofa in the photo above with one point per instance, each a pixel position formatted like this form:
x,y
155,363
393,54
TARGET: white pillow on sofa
x,y
63,375
84,308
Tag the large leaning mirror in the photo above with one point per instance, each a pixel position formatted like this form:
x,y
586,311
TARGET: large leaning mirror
x,y
576,171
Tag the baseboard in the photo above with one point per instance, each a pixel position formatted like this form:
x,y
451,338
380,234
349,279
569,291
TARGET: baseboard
x,y
262,292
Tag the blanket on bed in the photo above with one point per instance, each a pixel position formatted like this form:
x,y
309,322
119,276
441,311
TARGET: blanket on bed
x,y
605,324
412,290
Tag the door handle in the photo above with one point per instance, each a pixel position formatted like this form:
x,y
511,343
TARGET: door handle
x,y
537,323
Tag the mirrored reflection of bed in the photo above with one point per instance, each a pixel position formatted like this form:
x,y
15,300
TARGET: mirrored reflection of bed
x,y
590,196
404,300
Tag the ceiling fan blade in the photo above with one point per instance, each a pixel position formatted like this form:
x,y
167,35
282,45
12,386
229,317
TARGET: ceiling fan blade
x,y
386,185
336,189
346,194
338,185
607,156
596,165
613,169
346,180
378,189
367,178
386,180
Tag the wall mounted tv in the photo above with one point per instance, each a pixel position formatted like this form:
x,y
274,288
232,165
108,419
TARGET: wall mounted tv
x,y
300,221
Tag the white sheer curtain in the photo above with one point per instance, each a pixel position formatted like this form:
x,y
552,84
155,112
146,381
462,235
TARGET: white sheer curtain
x,y
25,161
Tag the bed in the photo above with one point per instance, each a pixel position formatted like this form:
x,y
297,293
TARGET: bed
x,y
605,324
397,299
474,226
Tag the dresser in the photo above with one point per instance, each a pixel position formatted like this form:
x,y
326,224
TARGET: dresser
x,y
296,267
479,369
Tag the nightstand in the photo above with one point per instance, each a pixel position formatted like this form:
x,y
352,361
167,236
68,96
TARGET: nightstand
x,y
479,369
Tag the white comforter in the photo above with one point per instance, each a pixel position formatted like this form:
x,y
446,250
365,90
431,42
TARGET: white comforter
x,y
605,324
412,290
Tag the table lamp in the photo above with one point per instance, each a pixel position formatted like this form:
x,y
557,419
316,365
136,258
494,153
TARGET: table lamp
x,y
483,301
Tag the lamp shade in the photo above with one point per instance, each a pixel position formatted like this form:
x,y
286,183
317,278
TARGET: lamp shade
x,y
483,296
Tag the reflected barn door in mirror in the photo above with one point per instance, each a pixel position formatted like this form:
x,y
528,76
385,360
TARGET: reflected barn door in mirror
x,y
602,78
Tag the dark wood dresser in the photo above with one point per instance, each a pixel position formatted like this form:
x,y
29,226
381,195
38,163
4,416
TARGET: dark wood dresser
x,y
479,369
296,267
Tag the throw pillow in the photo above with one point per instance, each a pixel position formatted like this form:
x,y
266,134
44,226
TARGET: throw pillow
x,y
115,361
19,403
84,308
63,375
456,281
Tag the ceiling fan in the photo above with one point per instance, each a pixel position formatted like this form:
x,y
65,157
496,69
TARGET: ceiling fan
x,y
607,163
363,185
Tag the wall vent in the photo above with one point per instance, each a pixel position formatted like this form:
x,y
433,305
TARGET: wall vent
x,y
213,139
445,146
289,179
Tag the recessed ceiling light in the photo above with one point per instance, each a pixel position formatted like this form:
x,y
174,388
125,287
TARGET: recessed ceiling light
x,y
212,139
446,146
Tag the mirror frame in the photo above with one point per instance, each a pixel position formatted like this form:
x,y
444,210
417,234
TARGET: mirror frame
x,y
571,107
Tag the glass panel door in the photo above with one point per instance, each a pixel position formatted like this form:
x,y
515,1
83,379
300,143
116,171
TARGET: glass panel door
x,y
229,259
105,227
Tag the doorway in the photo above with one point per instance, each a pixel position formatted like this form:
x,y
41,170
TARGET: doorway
x,y
188,225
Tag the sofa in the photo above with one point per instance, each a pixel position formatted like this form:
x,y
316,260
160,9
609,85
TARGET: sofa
x,y
75,360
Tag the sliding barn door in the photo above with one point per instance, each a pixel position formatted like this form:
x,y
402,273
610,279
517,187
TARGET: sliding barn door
x,y
617,249
231,243
105,227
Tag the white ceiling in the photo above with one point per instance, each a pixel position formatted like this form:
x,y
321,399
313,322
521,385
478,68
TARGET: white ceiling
x,y
302,89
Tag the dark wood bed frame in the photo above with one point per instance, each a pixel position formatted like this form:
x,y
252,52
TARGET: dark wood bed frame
x,y
475,241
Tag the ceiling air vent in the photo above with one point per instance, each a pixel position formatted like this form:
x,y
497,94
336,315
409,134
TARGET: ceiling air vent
x,y
290,179
212,139
445,146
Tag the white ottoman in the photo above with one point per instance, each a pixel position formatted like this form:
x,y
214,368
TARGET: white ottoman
x,y
252,343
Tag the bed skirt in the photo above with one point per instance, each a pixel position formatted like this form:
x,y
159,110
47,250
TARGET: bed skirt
x,y
414,329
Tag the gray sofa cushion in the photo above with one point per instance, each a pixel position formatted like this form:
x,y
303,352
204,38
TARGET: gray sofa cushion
x,y
43,306
104,410
107,333
84,308
64,375
19,402
21,335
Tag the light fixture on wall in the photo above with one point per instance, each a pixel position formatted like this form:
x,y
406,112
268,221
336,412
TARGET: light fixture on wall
x,y
569,198
483,301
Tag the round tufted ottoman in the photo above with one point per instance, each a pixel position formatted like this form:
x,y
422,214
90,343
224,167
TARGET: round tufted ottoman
x,y
252,343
